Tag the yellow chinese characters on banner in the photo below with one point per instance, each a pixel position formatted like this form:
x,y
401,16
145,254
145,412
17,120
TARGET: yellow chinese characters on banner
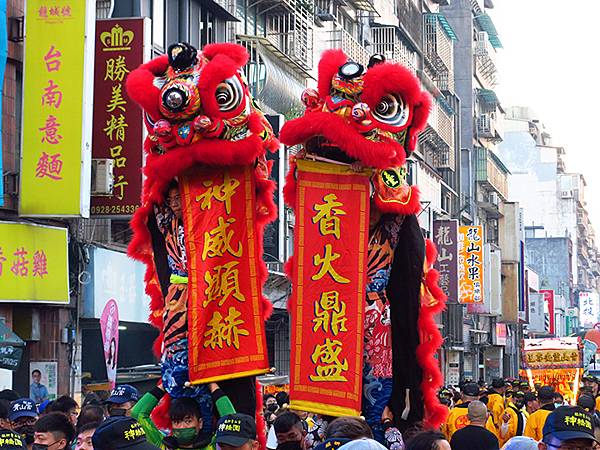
x,y
329,281
55,149
470,264
33,263
226,328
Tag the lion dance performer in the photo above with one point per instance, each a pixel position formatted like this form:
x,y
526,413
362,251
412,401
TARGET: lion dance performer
x,y
363,121
206,174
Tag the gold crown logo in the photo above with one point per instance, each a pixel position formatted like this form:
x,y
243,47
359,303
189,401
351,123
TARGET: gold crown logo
x,y
116,39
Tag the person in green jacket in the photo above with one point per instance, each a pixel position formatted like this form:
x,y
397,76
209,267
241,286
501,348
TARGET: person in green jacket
x,y
186,419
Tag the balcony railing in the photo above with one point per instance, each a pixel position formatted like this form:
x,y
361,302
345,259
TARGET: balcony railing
x,y
484,57
385,40
411,20
442,123
490,171
351,47
438,138
292,34
439,51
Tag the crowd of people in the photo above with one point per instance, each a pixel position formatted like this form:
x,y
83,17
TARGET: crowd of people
x,y
510,414
514,415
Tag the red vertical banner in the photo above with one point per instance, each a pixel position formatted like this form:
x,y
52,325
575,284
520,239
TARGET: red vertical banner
x,y
329,279
226,327
549,306
118,122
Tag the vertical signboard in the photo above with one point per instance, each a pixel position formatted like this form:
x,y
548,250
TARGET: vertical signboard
x,y
118,121
548,309
109,326
501,334
470,264
588,309
55,154
3,55
445,234
536,313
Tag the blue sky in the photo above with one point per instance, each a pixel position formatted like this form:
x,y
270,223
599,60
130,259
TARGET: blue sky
x,y
551,62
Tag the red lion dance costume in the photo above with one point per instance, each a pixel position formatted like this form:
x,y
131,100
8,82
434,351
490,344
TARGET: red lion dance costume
x,y
205,148
365,120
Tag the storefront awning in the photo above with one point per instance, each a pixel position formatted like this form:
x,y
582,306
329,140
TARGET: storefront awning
x,y
488,96
444,24
486,24
220,8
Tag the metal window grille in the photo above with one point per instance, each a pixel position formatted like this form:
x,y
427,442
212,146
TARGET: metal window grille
x,y
278,341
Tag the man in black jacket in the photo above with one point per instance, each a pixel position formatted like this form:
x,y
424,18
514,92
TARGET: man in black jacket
x,y
474,436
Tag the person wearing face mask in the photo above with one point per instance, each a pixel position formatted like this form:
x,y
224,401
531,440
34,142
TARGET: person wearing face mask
x,y
290,432
23,415
122,400
270,407
513,419
53,431
186,419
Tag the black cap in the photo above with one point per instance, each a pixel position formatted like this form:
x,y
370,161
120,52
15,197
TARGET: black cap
x,y
586,401
498,383
471,389
589,377
121,432
546,393
568,422
24,407
9,440
235,430
530,396
123,393
519,394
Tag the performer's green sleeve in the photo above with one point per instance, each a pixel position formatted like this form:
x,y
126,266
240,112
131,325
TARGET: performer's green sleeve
x,y
222,402
141,412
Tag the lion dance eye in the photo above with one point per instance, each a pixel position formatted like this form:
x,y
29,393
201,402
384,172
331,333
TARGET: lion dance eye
x,y
391,110
229,94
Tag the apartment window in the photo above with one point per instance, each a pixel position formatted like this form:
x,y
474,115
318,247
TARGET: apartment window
x,y
492,231
206,25
346,22
158,25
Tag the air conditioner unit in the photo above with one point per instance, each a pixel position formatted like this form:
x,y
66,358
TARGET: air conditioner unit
x,y
102,177
478,337
494,198
566,194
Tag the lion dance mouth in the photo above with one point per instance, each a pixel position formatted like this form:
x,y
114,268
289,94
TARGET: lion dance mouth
x,y
368,116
